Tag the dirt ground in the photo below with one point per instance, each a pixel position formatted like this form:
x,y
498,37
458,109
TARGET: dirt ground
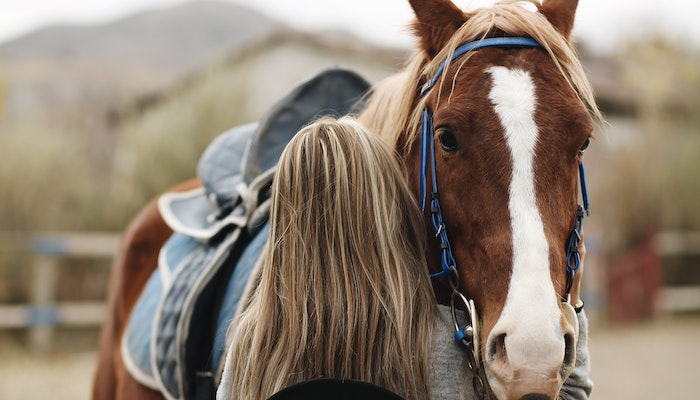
x,y
650,360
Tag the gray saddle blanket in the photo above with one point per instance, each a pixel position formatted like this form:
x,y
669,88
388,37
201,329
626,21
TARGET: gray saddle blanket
x,y
176,333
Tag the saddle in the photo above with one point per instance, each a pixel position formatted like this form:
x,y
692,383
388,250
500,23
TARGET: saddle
x,y
175,336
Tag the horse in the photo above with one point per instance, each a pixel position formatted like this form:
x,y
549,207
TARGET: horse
x,y
494,109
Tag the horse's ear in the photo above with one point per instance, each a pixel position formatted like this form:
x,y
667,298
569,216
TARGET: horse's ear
x,y
560,13
436,22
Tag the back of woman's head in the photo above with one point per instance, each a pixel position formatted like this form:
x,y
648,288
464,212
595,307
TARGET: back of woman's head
x,y
343,290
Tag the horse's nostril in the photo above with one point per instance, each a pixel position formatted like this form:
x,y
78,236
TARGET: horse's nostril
x,y
497,349
569,355
569,349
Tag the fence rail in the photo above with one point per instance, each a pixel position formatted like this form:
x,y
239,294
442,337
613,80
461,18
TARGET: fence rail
x,y
679,298
43,313
67,313
672,243
61,244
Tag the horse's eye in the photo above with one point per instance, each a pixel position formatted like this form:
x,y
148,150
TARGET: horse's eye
x,y
584,146
448,140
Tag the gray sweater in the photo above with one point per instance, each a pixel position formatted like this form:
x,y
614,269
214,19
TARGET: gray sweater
x,y
451,378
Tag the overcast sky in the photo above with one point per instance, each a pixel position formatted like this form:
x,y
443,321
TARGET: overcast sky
x,y
599,23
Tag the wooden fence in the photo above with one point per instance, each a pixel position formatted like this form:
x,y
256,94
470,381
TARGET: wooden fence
x,y
43,313
678,298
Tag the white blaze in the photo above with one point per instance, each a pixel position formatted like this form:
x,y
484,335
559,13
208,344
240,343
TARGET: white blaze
x,y
530,318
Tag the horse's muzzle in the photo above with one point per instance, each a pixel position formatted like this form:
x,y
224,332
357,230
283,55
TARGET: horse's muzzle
x,y
529,361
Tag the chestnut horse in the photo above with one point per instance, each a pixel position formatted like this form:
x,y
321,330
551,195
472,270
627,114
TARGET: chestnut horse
x,y
494,110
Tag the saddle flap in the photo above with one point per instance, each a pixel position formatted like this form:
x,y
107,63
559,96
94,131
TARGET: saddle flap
x,y
193,214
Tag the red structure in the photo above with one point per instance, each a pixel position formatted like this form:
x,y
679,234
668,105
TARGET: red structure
x,y
634,281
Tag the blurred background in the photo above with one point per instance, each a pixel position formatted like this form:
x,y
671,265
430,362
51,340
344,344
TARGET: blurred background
x,y
103,105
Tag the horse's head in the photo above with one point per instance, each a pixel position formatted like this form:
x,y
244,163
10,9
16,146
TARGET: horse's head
x,y
509,126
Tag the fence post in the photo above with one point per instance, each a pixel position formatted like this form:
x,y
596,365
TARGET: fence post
x,y
42,315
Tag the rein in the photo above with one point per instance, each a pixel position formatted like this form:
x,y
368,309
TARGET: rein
x,y
469,335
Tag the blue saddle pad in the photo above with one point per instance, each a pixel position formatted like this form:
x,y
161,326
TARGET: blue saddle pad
x,y
220,232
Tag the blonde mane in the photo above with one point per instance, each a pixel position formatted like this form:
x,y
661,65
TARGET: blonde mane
x,y
390,110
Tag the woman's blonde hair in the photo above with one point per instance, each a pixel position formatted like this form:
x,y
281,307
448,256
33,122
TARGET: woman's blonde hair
x,y
343,290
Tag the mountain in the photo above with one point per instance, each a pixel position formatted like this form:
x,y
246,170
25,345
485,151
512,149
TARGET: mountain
x,y
174,40
75,75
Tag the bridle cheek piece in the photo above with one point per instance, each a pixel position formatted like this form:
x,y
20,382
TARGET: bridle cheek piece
x,y
467,334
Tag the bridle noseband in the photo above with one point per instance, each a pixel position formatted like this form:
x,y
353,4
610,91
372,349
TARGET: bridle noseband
x,y
469,334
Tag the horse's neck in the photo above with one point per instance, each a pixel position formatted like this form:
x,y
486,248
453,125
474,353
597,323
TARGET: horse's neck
x,y
372,119
389,108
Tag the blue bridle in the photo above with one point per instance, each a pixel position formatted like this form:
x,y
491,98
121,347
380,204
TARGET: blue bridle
x,y
427,150
573,258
